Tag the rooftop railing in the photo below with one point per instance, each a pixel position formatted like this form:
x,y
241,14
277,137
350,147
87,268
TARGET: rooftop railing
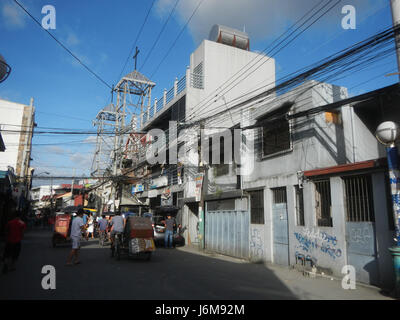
x,y
194,80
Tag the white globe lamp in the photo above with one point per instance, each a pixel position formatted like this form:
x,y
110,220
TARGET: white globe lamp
x,y
387,133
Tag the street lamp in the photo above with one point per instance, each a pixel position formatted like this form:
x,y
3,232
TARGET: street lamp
x,y
387,133
5,69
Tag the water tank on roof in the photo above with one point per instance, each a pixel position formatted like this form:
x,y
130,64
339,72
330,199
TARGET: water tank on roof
x,y
229,36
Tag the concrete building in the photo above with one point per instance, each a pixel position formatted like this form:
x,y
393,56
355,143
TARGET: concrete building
x,y
170,181
308,185
17,125
316,192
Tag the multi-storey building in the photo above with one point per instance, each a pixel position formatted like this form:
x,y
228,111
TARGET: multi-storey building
x,y
17,124
296,178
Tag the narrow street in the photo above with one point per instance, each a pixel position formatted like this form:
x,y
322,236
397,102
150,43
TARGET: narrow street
x,y
171,274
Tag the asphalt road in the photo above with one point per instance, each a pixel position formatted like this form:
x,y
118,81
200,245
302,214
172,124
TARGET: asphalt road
x,y
171,274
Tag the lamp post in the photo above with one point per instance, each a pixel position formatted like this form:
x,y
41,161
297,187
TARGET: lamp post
x,y
387,133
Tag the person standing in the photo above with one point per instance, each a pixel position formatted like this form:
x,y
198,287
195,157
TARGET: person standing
x,y
14,233
103,224
77,227
169,231
90,230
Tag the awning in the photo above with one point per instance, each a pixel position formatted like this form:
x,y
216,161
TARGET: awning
x,y
340,169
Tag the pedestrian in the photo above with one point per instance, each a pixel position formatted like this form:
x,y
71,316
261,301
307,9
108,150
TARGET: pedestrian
x,y
169,231
103,224
77,228
117,224
90,229
85,218
14,233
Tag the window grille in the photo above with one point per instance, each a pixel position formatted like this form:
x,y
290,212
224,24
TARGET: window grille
x,y
197,76
359,199
257,206
279,195
323,203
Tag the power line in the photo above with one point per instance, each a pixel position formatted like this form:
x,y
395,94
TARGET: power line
x,y
176,39
203,103
159,34
137,38
346,59
63,46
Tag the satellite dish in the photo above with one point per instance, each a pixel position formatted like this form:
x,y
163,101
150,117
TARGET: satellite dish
x,y
5,69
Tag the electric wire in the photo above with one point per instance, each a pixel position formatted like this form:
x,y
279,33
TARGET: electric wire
x,y
62,45
159,35
136,40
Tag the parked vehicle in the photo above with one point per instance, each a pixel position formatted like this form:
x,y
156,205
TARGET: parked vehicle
x,y
158,220
62,229
136,240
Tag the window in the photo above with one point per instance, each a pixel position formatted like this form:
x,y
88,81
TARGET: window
x,y
359,199
257,206
227,204
323,203
276,137
197,76
299,206
220,169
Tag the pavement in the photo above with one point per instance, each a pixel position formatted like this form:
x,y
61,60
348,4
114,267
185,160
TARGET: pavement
x,y
184,273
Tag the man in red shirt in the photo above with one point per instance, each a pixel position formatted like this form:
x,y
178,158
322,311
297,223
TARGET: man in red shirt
x,y
14,233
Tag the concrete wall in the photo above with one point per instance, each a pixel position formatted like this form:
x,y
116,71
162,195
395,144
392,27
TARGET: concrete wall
x,y
16,116
11,118
220,63
325,245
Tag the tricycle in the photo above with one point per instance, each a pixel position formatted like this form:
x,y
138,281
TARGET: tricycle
x,y
62,229
136,240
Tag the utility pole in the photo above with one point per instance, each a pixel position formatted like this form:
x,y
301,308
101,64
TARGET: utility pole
x,y
395,5
72,187
116,146
204,186
51,194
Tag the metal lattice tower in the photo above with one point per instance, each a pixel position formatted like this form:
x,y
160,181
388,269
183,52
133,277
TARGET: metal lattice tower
x,y
105,123
133,95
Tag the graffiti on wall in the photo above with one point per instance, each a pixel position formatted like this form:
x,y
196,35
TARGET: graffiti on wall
x,y
311,241
256,244
360,236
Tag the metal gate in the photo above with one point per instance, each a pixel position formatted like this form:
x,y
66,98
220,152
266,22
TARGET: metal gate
x,y
280,227
360,229
227,232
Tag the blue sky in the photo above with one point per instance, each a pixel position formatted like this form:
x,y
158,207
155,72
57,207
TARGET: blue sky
x,y
102,32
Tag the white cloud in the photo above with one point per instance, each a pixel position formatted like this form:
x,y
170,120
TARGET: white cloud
x,y
12,16
57,150
262,19
72,39
81,161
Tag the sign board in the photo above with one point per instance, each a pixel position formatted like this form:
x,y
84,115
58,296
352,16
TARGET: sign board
x,y
137,188
199,183
159,182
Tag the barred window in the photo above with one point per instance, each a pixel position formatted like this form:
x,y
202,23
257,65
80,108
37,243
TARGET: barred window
x,y
323,203
257,206
359,198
